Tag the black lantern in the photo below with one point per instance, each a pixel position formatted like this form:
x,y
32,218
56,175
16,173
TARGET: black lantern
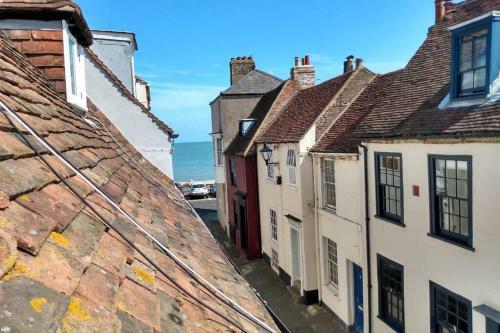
x,y
267,154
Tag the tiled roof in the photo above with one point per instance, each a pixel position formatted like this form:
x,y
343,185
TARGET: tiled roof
x,y
61,269
256,82
49,10
410,109
161,125
340,137
301,112
266,110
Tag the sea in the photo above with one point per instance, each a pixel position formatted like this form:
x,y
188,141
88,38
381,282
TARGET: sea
x,y
193,161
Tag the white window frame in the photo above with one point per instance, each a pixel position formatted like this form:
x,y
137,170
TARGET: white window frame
x,y
219,154
273,226
331,264
291,163
80,98
324,184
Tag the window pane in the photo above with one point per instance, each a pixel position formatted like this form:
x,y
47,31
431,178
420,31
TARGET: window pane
x,y
466,56
451,169
440,167
451,187
462,189
467,81
480,78
480,52
440,185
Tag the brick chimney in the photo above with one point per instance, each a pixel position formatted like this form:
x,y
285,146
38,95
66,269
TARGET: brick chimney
x,y
240,67
303,72
442,8
348,64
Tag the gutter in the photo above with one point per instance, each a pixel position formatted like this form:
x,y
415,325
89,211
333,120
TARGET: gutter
x,y
367,232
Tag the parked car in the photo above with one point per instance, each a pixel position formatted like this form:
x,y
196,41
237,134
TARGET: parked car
x,y
211,189
199,191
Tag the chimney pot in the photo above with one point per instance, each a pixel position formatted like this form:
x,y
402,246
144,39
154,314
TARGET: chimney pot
x,y
448,6
297,61
348,66
359,63
303,61
440,10
308,60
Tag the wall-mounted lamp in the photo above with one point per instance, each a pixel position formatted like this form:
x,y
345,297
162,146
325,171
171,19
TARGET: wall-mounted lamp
x,y
267,154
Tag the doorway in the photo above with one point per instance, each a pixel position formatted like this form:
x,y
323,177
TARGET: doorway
x,y
243,228
357,277
296,258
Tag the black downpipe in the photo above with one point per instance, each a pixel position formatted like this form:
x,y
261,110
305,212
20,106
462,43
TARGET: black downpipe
x,y
367,232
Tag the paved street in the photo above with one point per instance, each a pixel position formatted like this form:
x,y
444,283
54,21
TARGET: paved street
x,y
298,318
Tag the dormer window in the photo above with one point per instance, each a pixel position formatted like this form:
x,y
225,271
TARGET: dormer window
x,y
245,125
475,58
74,70
472,64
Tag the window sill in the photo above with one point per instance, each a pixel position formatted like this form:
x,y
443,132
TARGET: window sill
x,y
329,210
447,240
332,289
396,328
292,186
271,180
399,224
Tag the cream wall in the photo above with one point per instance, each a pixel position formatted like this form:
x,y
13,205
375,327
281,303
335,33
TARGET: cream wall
x,y
344,226
471,274
297,201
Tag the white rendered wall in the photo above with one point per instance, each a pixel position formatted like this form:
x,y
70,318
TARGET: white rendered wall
x,y
471,274
344,226
128,117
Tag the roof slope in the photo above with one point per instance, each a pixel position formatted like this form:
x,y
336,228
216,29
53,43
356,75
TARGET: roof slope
x,y
49,10
60,268
256,82
410,109
266,110
340,137
299,115
124,90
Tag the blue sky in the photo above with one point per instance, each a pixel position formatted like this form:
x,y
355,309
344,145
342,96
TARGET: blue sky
x,y
185,45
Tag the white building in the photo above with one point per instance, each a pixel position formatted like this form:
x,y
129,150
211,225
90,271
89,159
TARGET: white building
x,y
339,215
432,146
111,86
286,186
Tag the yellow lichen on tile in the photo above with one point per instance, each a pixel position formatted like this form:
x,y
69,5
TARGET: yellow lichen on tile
x,y
144,276
120,306
37,304
77,311
59,239
19,269
9,261
25,197
3,221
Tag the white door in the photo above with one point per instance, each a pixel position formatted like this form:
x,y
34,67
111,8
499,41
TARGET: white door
x,y
296,258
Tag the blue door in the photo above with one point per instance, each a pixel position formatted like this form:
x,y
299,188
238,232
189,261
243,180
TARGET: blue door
x,y
358,298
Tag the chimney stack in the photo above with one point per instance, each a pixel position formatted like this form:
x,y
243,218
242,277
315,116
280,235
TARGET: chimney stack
x,y
448,5
240,66
303,72
441,9
359,63
348,65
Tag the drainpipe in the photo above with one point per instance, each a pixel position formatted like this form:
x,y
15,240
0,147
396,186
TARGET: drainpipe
x,y
367,232
316,227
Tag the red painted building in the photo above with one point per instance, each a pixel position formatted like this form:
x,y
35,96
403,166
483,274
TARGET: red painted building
x,y
241,170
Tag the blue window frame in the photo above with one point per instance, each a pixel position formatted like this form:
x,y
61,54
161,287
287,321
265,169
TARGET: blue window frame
x,y
391,293
492,327
450,184
389,186
449,312
472,66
